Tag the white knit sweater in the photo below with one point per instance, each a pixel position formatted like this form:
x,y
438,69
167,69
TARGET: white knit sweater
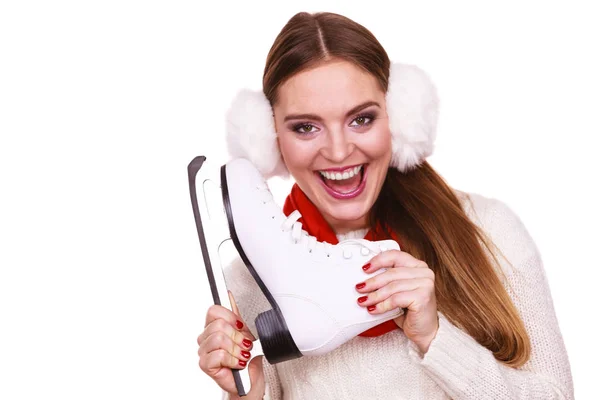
x,y
455,366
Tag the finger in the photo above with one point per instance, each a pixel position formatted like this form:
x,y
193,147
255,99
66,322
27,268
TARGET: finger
x,y
241,338
413,300
234,306
220,340
236,311
400,319
398,286
397,300
393,259
393,274
219,312
212,362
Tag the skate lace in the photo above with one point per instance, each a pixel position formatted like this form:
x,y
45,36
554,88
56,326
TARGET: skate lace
x,y
292,224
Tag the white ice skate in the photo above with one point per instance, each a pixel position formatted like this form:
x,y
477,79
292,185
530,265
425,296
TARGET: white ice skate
x,y
309,284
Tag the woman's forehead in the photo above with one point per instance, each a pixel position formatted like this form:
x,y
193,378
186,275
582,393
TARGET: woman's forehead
x,y
333,86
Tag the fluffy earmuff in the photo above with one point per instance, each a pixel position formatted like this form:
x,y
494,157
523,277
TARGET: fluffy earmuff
x,y
412,106
251,133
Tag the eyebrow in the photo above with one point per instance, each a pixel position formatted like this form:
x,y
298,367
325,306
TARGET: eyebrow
x,y
317,118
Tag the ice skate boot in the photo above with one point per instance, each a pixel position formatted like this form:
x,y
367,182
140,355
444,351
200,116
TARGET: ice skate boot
x,y
309,284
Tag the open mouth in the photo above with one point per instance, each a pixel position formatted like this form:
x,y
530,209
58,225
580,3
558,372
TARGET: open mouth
x,y
344,184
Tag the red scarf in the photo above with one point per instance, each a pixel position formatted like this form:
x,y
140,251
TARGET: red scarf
x,y
314,223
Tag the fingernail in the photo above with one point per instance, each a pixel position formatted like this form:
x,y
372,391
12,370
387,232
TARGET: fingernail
x,y
247,343
246,354
363,299
242,363
239,324
366,266
371,308
361,285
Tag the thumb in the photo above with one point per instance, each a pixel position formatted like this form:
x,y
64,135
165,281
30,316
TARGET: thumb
x,y
256,361
400,320
236,311
256,372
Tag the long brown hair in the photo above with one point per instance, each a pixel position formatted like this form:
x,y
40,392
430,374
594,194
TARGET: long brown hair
x,y
418,205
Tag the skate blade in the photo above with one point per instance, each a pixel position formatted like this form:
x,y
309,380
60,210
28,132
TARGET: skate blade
x,y
213,232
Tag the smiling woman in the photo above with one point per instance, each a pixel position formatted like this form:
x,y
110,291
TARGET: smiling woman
x,y
354,131
345,126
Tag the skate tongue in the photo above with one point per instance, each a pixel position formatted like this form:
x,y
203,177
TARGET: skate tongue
x,y
344,185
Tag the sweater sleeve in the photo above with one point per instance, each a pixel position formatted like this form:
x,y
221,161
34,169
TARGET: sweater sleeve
x,y
465,370
273,386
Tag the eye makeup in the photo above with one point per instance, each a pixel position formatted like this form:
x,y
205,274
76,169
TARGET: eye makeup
x,y
369,116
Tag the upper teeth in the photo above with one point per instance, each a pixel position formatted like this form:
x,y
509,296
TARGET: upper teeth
x,y
349,173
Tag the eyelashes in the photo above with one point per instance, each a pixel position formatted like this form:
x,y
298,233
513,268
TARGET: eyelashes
x,y
307,125
368,116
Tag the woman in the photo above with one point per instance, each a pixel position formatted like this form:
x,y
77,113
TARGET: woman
x,y
479,321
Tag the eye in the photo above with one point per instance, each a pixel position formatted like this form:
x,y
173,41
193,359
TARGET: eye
x,y
306,128
364,120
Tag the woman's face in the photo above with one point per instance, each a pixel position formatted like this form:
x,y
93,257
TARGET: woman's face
x,y
333,133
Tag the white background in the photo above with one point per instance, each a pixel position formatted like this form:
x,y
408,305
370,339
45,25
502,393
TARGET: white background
x,y
103,104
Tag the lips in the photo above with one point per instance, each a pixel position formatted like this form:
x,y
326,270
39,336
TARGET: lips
x,y
344,189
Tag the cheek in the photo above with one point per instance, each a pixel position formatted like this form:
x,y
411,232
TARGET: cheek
x,y
294,153
377,143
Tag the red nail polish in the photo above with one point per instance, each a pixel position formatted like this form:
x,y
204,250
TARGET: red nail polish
x,y
246,354
242,363
247,343
361,285
371,308
363,299
239,324
366,266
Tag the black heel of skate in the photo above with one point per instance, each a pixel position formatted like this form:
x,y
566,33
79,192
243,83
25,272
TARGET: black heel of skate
x,y
276,340
274,335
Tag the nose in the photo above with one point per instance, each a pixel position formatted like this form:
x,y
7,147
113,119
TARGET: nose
x,y
338,146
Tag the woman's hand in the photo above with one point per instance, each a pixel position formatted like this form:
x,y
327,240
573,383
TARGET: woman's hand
x,y
408,284
224,344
